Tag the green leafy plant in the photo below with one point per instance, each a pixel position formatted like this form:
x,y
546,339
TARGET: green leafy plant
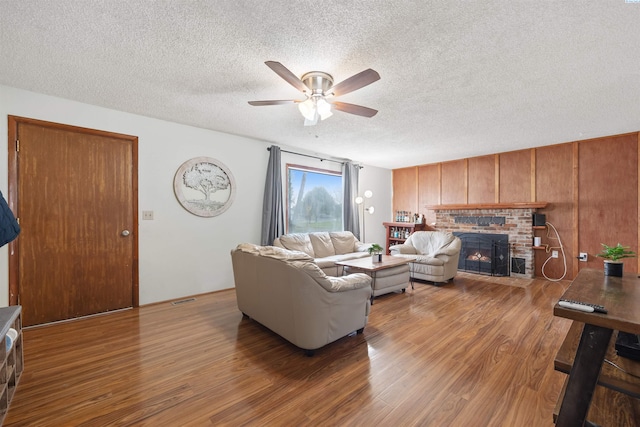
x,y
615,253
375,249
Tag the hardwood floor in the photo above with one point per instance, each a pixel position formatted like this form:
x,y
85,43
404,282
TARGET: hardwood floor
x,y
470,353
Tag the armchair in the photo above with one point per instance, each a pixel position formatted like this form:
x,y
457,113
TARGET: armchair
x,y
436,255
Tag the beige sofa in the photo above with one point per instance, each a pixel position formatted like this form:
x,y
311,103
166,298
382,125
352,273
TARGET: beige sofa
x,y
436,255
289,294
325,248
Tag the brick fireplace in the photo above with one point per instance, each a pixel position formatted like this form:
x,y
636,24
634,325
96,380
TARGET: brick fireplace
x,y
516,222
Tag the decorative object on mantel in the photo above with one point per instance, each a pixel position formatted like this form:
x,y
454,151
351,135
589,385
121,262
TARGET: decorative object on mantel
x,y
375,250
612,256
204,186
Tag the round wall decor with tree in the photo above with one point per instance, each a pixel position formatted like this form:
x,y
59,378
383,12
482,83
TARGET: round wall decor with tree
x,y
204,186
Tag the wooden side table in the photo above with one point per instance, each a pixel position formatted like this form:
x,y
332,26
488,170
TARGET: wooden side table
x,y
620,296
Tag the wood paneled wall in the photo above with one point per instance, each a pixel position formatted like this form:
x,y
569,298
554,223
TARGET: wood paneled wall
x,y
608,194
405,189
515,177
454,182
554,184
591,188
429,194
482,188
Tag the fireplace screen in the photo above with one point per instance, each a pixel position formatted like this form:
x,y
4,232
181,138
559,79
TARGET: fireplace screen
x,y
484,253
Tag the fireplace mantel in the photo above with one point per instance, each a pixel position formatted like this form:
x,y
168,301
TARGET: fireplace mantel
x,y
479,206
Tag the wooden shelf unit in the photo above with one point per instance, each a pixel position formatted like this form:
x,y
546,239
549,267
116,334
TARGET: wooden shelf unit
x,y
12,360
403,228
542,247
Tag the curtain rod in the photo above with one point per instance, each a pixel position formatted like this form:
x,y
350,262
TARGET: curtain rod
x,y
313,157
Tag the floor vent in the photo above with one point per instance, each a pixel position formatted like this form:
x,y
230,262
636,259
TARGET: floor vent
x,y
183,301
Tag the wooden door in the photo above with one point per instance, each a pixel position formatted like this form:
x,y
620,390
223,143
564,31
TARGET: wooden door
x,y
75,197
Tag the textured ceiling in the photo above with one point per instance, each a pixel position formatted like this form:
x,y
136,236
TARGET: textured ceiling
x,y
458,78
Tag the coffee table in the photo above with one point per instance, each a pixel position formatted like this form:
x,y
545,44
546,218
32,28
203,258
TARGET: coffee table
x,y
389,275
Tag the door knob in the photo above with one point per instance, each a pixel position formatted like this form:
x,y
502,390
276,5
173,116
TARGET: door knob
x,y
125,233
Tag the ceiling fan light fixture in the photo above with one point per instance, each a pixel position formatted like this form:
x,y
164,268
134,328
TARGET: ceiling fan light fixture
x,y
308,109
311,122
317,86
323,108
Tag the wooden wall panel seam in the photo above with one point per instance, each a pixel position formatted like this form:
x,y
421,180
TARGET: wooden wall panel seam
x,y
576,207
497,178
417,193
533,175
466,180
440,183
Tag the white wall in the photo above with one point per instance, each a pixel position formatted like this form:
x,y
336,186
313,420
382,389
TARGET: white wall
x,y
180,254
380,183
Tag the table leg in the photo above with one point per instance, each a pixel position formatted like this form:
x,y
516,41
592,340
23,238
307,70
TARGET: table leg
x,y
373,284
411,274
584,375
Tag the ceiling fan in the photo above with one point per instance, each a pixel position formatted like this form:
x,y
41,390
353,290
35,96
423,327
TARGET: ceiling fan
x,y
318,88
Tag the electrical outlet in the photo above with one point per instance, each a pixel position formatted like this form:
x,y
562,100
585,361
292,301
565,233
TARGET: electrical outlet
x,y
583,257
147,215
554,254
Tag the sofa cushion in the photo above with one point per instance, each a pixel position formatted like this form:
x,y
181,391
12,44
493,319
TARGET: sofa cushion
x,y
325,262
274,252
322,244
344,242
425,259
330,261
283,254
426,269
297,242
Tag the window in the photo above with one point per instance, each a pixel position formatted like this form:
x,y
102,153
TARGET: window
x,y
314,199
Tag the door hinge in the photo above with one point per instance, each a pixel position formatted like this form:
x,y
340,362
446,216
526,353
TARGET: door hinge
x,y
17,145
18,220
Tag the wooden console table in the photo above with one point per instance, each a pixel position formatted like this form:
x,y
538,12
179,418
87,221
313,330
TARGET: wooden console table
x,y
620,296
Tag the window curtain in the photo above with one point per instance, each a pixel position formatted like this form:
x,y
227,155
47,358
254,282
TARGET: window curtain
x,y
350,217
272,206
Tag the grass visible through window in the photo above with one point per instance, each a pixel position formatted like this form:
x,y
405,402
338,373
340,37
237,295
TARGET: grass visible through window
x,y
314,200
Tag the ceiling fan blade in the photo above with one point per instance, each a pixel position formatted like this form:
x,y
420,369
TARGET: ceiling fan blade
x,y
287,75
274,102
356,81
358,110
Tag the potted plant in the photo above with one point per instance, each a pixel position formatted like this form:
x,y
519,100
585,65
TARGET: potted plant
x,y
375,250
612,256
